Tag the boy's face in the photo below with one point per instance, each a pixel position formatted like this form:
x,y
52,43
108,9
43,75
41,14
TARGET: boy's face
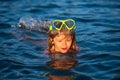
x,y
62,43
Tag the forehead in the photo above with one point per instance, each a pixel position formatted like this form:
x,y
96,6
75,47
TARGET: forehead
x,y
62,36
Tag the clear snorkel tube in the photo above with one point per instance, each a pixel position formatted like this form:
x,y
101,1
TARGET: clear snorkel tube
x,y
34,24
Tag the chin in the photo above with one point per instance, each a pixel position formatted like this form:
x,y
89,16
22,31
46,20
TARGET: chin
x,y
63,52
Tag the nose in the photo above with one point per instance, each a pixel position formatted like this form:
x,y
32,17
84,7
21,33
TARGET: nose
x,y
64,44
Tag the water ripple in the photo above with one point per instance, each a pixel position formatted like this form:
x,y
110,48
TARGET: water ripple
x,y
97,33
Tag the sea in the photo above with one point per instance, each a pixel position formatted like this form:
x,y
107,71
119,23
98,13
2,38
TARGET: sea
x,y
22,49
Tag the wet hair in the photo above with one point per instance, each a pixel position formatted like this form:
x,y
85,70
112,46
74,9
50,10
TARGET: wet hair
x,y
53,33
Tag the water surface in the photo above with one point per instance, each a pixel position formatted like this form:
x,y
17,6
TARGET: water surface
x,y
98,37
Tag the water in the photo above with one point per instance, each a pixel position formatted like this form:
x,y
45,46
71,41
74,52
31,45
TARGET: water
x,y
22,51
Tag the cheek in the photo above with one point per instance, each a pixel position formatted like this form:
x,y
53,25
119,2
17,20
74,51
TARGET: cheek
x,y
57,44
69,43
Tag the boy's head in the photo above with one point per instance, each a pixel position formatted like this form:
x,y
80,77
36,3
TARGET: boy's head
x,y
61,37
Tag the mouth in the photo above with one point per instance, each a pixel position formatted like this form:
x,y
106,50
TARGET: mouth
x,y
64,49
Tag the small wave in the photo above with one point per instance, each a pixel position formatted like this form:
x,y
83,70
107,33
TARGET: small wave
x,y
34,24
4,26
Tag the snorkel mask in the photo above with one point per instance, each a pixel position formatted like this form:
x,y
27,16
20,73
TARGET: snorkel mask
x,y
59,24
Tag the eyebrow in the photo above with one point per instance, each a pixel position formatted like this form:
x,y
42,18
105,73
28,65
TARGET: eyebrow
x,y
64,38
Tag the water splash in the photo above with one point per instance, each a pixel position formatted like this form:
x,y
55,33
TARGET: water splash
x,y
34,24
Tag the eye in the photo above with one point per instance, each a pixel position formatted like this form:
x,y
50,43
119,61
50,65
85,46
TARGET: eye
x,y
60,41
69,39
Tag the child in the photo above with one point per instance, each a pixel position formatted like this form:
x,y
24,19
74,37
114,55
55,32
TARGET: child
x,y
61,37
62,44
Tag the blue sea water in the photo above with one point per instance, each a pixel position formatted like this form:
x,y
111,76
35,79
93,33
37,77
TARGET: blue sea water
x,y
98,37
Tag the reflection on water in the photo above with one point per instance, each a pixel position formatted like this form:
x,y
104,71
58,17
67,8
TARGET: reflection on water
x,y
61,65
62,61
61,75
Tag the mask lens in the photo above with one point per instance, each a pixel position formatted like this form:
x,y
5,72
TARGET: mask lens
x,y
69,23
57,24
